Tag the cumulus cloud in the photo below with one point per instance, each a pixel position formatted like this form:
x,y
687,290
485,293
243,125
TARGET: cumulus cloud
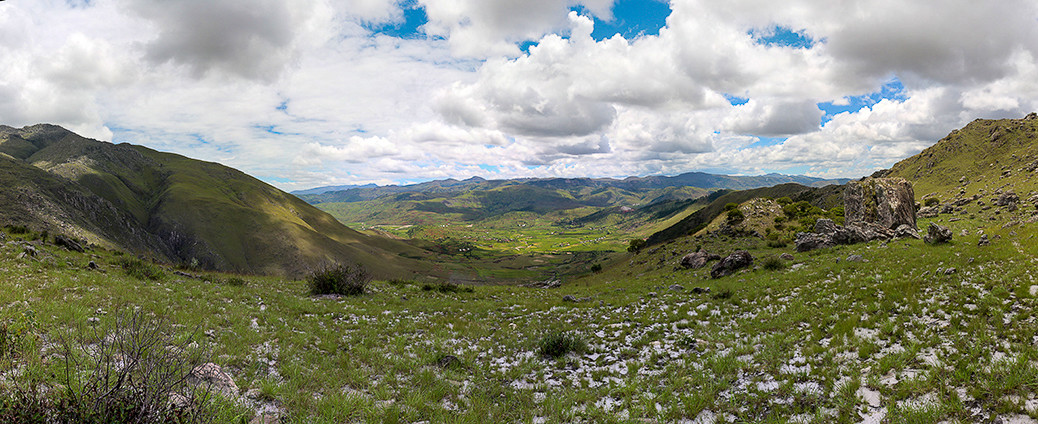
x,y
248,38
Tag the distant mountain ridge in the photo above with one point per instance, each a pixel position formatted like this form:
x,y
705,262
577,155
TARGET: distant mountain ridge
x,y
691,179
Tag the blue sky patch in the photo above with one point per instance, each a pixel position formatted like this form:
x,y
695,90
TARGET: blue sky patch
x,y
410,27
767,141
736,100
782,37
631,18
892,90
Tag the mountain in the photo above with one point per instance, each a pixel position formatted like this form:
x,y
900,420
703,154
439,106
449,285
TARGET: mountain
x,y
327,189
986,154
176,209
692,179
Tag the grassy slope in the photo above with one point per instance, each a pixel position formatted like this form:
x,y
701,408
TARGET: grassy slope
x,y
215,215
762,346
981,153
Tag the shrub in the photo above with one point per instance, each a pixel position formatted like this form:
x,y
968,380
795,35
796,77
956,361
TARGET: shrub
x,y
932,201
17,229
783,201
342,279
447,287
235,281
777,243
13,333
731,206
141,270
596,268
127,372
636,245
559,343
735,217
773,263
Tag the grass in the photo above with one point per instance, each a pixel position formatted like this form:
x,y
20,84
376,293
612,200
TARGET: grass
x,y
761,346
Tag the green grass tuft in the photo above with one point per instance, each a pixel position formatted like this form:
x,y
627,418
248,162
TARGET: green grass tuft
x,y
559,343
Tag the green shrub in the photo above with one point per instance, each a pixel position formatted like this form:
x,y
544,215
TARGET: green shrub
x,y
13,333
783,201
636,245
596,268
731,206
17,229
559,343
235,281
932,201
447,287
344,280
735,217
777,243
141,270
773,263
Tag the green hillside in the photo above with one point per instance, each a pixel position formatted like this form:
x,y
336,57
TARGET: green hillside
x,y
193,212
981,158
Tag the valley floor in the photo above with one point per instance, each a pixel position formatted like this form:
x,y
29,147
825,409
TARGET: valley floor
x,y
906,333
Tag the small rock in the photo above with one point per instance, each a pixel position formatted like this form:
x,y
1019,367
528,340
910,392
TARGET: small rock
x,y
651,294
786,257
906,231
677,287
936,234
949,271
983,240
569,298
93,320
855,258
29,250
700,290
734,262
266,418
213,376
698,259
448,361
92,265
67,243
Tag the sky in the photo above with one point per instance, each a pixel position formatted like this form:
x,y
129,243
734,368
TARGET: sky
x,y
306,93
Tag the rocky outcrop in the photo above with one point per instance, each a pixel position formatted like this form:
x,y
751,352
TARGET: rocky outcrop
x,y
874,208
698,259
936,234
729,265
884,202
213,378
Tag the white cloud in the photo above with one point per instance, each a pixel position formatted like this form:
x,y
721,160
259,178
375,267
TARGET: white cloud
x,y
304,91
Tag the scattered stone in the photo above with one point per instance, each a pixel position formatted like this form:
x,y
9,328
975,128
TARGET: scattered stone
x,y
950,271
266,418
1006,199
29,250
825,226
569,298
546,284
67,243
734,262
855,258
936,234
983,240
928,212
92,265
677,287
448,361
651,294
93,320
786,257
698,259
214,378
905,231
700,290
186,275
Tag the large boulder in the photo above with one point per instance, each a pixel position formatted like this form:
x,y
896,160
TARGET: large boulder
x,y
812,241
885,202
698,259
734,262
1006,199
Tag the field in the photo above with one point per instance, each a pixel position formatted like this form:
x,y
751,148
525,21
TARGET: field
x,y
909,331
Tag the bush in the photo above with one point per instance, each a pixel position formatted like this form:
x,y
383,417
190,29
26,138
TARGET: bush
x,y
13,333
344,280
777,243
932,201
735,217
141,270
17,229
783,201
126,372
636,245
447,287
773,263
235,281
559,343
596,268
731,206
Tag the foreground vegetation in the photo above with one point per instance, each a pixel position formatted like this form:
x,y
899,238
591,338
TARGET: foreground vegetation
x,y
907,331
